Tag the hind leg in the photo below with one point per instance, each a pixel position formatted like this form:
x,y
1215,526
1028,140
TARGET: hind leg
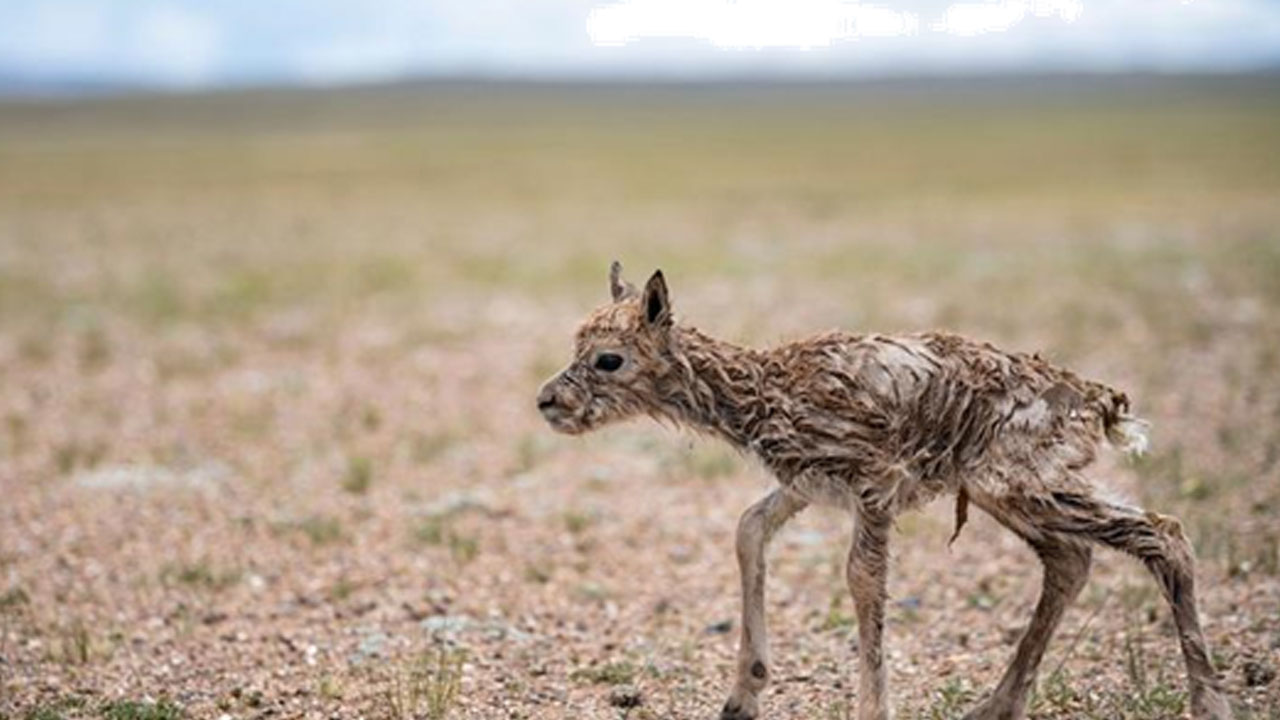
x,y
1066,568
1157,541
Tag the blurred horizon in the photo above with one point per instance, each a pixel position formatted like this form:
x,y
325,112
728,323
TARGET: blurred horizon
x,y
70,47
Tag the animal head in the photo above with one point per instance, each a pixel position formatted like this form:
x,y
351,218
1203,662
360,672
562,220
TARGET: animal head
x,y
620,352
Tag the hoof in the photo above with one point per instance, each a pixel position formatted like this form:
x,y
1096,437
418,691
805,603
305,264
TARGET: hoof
x,y
987,711
736,710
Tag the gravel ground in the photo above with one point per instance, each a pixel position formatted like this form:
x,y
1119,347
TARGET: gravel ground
x,y
269,445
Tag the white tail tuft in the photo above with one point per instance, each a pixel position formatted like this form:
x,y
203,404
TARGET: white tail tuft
x,y
1129,434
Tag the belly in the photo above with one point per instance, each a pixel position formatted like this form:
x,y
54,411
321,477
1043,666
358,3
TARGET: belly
x,y
823,489
894,490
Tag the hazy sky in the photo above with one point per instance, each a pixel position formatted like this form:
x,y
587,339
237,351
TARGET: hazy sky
x,y
197,43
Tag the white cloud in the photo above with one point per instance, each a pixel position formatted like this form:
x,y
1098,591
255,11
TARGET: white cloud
x,y
976,18
189,43
801,24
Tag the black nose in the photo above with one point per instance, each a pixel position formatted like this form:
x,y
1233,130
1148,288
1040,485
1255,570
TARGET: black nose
x,y
546,400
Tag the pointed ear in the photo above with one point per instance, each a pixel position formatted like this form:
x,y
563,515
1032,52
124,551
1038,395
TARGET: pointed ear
x,y
620,289
657,304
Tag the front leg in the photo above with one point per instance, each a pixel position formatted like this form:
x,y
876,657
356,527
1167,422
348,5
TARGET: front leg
x,y
866,572
755,529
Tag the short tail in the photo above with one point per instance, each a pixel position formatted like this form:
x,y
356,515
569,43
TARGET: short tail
x,y
1124,431
1129,434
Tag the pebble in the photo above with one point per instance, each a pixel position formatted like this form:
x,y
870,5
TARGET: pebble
x,y
142,477
455,503
1257,673
450,626
719,628
446,624
625,697
372,645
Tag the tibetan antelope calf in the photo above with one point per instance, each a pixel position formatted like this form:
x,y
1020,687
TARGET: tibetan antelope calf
x,y
877,425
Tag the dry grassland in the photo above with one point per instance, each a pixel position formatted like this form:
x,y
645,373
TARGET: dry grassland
x,y
267,365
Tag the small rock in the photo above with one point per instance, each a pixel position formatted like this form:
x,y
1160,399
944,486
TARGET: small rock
x,y
372,645
450,627
1257,673
1011,635
719,628
682,554
415,614
626,697
446,624
456,503
144,477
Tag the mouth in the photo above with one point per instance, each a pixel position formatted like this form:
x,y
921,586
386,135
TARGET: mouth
x,y
561,421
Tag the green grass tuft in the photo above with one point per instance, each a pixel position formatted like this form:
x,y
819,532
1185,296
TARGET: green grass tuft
x,y
141,710
359,475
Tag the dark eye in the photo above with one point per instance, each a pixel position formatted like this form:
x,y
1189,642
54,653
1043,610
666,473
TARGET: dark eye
x,y
608,362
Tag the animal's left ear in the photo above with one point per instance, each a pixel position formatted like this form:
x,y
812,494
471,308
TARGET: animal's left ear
x,y
656,302
619,288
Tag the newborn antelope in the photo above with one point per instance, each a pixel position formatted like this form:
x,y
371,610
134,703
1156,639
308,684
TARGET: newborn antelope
x,y
877,425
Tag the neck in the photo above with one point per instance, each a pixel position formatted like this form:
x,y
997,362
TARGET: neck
x,y
713,386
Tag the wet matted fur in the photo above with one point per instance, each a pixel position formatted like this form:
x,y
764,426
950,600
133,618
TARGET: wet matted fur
x,y
876,425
